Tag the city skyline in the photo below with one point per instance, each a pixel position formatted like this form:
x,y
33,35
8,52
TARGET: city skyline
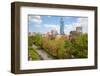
x,y
43,24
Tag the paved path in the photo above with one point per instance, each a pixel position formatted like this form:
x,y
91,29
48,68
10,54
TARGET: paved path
x,y
44,55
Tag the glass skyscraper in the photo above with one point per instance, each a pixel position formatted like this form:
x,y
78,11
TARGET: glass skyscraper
x,y
61,26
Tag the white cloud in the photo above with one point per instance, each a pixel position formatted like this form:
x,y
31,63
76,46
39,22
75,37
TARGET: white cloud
x,y
69,28
52,27
36,19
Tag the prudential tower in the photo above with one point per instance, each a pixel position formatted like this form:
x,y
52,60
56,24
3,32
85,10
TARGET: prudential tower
x,y
61,26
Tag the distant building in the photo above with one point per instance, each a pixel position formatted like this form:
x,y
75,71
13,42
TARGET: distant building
x,y
79,28
31,33
54,33
61,26
47,35
74,34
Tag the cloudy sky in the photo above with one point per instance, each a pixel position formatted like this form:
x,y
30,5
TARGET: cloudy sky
x,y
45,24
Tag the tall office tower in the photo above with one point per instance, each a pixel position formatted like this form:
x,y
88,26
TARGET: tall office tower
x,y
61,26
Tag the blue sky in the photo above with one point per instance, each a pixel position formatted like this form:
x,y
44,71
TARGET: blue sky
x,y
45,24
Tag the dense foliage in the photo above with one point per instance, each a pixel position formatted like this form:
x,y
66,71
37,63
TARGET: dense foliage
x,y
32,55
62,48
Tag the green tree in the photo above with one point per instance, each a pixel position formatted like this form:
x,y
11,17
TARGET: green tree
x,y
30,40
80,44
37,39
69,49
61,49
32,54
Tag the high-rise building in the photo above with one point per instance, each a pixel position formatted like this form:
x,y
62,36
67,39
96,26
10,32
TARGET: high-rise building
x,y
79,28
61,26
